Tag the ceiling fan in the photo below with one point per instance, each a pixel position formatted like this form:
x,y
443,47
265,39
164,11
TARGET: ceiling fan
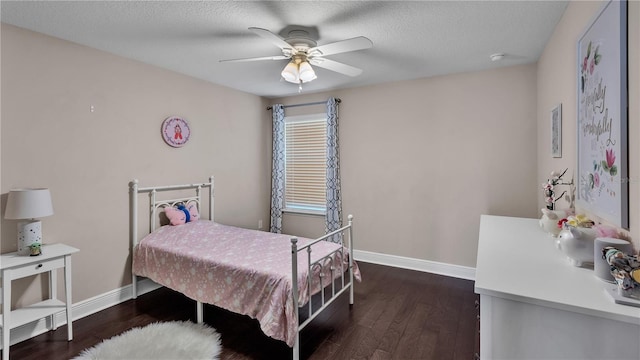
x,y
303,51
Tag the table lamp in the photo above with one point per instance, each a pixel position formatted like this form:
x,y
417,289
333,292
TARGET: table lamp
x,y
28,204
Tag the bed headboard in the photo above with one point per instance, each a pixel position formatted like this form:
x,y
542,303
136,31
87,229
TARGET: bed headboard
x,y
155,204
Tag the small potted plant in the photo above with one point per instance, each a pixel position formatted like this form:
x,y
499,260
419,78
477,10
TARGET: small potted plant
x,y
551,216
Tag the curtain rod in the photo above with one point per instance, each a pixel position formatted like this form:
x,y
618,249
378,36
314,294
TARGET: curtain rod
x,y
305,104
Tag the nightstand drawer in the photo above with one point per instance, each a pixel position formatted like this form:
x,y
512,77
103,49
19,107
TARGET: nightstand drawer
x,y
37,268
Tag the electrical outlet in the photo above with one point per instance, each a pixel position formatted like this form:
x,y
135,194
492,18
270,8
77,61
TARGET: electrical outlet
x,y
260,224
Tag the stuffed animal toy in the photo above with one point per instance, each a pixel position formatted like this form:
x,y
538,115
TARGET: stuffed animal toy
x,y
35,249
182,214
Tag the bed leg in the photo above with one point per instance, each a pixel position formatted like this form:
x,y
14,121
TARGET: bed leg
x,y
294,292
199,314
350,217
296,347
351,293
134,286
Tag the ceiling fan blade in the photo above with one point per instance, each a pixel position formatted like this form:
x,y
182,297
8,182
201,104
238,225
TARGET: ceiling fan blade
x,y
356,43
335,66
278,57
275,39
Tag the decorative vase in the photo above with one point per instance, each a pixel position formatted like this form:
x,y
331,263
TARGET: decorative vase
x,y
549,220
577,244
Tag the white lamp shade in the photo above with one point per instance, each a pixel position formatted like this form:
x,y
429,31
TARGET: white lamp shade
x,y
28,204
306,72
290,73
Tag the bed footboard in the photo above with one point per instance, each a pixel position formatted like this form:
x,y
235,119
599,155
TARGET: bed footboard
x,y
321,263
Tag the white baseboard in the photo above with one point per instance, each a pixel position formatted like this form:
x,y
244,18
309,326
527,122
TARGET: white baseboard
x,y
457,271
80,310
114,297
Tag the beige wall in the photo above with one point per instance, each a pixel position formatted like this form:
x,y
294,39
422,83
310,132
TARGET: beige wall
x,y
422,160
51,139
557,69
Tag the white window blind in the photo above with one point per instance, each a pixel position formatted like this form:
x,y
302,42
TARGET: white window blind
x,y
305,163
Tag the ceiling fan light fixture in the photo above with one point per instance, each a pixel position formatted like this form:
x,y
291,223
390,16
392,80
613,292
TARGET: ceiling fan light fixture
x,y
306,72
290,73
303,52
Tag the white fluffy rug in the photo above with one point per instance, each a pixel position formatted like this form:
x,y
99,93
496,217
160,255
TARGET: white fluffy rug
x,y
170,340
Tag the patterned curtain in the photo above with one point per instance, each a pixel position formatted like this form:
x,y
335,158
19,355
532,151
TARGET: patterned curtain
x,y
277,171
334,203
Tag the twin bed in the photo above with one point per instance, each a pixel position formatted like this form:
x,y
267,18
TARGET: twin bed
x,y
246,271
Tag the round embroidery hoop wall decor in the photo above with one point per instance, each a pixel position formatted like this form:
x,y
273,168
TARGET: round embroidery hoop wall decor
x,y
175,131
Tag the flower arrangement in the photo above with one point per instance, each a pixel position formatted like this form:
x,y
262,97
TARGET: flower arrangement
x,y
548,189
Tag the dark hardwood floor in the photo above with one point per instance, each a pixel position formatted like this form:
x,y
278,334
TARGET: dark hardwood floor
x,y
398,314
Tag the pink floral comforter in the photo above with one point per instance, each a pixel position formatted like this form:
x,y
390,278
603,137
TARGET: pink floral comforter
x,y
241,270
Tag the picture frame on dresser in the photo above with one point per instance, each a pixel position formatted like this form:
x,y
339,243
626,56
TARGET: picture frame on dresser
x,y
602,116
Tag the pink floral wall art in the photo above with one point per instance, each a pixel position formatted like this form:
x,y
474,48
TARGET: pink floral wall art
x,y
603,181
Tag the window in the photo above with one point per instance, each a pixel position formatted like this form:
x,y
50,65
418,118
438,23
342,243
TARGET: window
x,y
305,163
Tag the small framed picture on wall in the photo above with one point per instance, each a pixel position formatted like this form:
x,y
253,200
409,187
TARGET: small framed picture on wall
x,y
556,131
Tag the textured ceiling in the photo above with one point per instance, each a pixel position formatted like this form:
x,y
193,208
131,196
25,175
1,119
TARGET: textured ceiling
x,y
411,39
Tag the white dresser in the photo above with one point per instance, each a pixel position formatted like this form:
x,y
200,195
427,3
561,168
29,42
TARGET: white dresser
x,y
535,305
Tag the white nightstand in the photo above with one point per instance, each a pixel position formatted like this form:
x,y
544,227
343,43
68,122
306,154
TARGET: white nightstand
x,y
14,266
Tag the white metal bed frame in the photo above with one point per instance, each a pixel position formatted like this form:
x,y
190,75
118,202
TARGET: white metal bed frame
x,y
135,190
